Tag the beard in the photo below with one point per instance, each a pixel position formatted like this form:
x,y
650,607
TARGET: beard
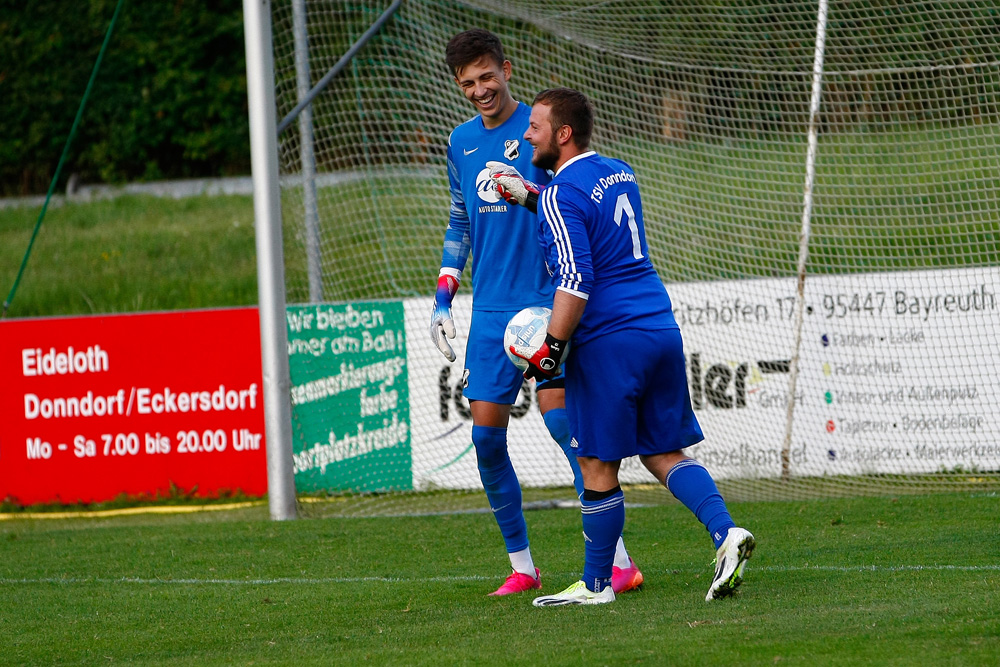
x,y
545,157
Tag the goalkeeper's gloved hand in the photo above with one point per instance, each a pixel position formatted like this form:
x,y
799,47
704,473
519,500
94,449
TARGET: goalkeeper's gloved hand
x,y
442,323
544,363
513,187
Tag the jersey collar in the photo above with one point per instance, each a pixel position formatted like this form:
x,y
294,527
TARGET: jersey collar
x,y
574,159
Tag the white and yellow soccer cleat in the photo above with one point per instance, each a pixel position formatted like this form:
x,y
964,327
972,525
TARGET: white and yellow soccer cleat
x,y
577,593
730,560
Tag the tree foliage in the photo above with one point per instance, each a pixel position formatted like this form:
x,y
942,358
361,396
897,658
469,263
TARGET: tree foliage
x,y
169,100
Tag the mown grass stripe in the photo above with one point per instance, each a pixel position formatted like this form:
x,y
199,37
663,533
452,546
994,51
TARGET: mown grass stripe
x,y
474,577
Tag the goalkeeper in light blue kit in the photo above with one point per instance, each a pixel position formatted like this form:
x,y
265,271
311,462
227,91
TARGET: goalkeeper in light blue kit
x,y
626,387
508,275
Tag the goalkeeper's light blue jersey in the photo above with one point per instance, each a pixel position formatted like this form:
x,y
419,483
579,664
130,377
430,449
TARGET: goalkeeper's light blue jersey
x,y
508,271
591,231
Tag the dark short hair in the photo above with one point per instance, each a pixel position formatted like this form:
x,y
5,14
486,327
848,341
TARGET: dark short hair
x,y
569,107
471,45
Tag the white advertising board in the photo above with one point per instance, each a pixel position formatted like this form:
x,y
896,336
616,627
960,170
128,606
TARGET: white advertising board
x,y
896,375
901,368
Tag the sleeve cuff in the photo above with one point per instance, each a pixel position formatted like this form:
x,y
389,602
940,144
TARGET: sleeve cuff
x,y
576,293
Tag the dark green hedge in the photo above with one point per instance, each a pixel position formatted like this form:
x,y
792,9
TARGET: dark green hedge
x,y
169,101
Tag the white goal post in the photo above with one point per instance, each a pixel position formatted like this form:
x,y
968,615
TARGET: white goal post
x,y
822,198
270,260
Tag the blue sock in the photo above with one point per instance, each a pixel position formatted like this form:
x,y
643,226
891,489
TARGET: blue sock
x,y
603,520
501,485
558,425
694,487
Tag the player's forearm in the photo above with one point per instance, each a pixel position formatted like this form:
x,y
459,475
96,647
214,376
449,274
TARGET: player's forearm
x,y
457,245
567,309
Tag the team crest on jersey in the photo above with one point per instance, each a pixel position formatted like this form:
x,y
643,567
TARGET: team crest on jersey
x,y
510,151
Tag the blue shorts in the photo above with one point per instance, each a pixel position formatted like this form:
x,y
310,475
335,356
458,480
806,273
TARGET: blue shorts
x,y
489,374
627,394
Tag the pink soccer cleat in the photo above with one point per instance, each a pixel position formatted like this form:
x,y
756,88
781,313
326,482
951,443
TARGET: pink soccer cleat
x,y
519,583
627,579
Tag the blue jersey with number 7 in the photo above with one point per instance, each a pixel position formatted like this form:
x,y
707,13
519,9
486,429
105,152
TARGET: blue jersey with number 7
x,y
592,235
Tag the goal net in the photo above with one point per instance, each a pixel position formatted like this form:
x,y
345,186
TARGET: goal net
x,y
821,200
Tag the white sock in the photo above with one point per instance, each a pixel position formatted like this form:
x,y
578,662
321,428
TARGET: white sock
x,y
521,562
621,556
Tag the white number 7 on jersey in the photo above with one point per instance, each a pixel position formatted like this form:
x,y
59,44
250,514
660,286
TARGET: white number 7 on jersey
x,y
624,207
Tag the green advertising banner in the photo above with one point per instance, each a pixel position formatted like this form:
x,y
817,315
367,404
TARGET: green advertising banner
x,y
350,404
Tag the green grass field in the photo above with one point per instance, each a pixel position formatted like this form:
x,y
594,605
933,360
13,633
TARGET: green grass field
x,y
130,254
888,581
911,580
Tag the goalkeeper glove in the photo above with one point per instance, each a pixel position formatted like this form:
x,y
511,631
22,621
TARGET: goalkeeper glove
x,y
442,323
544,363
513,187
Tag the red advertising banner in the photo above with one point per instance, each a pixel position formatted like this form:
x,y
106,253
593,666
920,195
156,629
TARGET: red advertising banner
x,y
94,407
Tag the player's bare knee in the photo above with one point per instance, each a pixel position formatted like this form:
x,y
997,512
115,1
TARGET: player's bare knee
x,y
599,475
660,464
551,399
485,413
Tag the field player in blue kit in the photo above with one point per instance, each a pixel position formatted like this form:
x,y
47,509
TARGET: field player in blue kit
x,y
626,388
509,274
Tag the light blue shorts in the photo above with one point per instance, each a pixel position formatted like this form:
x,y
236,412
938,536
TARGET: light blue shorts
x,y
627,394
489,374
